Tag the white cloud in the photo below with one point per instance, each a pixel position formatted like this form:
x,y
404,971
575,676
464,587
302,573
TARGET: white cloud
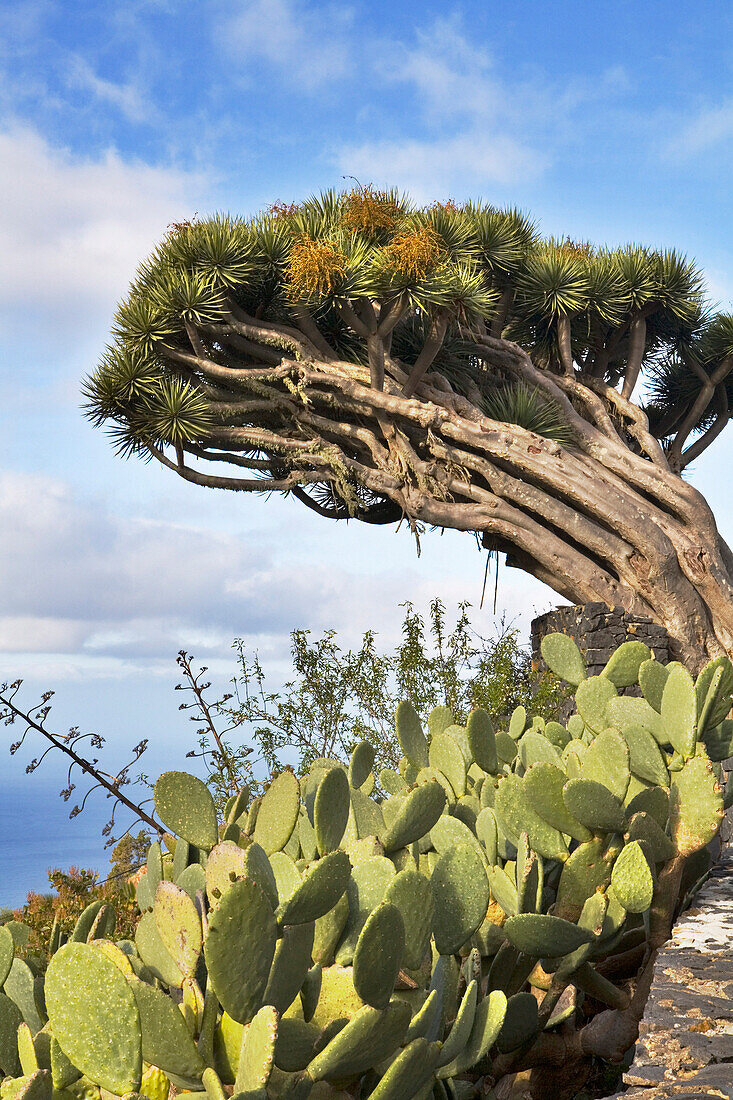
x,y
720,287
126,97
90,590
75,578
77,227
451,77
476,126
40,634
309,45
479,125
430,169
709,127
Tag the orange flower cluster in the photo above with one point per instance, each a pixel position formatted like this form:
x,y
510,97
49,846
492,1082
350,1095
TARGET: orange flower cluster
x,y
175,228
314,269
282,209
415,253
450,206
580,250
365,210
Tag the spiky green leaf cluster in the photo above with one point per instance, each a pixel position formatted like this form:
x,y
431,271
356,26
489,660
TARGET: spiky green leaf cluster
x,y
325,937
519,403
476,267
145,405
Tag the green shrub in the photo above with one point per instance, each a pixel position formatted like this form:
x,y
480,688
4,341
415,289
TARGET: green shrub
x,y
320,942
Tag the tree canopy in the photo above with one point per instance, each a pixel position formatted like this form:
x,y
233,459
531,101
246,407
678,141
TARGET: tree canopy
x,y
446,364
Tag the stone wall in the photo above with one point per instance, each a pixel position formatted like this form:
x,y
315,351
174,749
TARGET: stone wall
x,y
598,630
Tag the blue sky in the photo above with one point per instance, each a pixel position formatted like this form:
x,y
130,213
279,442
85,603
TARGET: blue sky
x,y
608,121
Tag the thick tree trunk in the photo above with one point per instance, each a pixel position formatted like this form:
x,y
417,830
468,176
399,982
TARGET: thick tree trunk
x,y
603,519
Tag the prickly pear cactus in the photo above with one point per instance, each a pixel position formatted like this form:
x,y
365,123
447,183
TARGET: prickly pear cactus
x,y
397,940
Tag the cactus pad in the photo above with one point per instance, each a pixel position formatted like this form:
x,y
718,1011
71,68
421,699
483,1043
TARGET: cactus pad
x,y
287,876
319,891
679,711
10,1021
328,931
192,879
184,804
587,870
557,735
179,926
365,890
226,863
410,735
530,878
410,892
594,806
290,966
653,801
486,832
449,830
517,723
460,1032
331,810
487,1024
154,954
545,936
715,705
94,1017
606,760
632,879
369,1037
543,790
515,815
295,1045
239,949
718,740
20,986
257,1055
378,955
521,1022
278,813
482,740
445,756
645,757
236,806
83,926
695,805
644,828
7,952
410,1071
392,781
592,699
535,748
504,890
361,763
624,710
461,892
416,816
563,658
166,1041
652,678
624,663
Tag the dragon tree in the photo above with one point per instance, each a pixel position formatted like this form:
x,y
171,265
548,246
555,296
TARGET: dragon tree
x,y
449,367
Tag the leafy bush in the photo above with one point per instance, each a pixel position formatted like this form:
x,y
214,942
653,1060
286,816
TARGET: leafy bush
x,y
321,941
78,887
336,697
